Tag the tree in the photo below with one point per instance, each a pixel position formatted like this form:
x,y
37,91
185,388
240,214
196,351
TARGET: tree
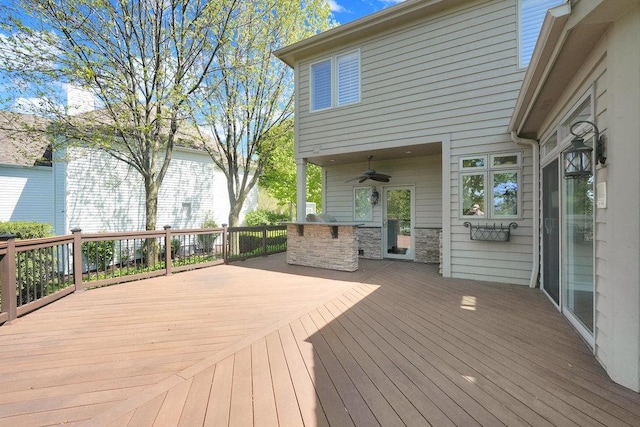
x,y
255,92
279,174
143,61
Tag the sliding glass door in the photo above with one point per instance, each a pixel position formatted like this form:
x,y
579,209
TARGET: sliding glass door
x,y
551,231
567,245
577,251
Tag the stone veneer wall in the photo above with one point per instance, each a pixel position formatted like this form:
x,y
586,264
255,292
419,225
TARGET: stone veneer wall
x,y
318,248
428,246
370,242
441,252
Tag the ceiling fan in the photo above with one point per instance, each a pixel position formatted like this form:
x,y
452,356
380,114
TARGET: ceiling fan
x,y
370,174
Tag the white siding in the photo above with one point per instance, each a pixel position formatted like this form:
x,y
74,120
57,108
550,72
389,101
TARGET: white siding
x,y
26,194
101,193
105,194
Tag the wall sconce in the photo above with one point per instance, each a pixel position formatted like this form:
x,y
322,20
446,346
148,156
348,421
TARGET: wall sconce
x,y
578,157
375,196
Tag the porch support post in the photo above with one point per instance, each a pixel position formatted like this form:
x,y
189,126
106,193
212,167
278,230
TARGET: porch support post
x,y
301,190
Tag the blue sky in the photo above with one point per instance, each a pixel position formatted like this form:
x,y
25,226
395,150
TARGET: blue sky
x,y
349,10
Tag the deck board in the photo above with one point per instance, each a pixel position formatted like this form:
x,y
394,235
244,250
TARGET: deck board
x,y
264,343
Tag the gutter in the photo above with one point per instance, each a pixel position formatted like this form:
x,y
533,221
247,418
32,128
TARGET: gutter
x,y
533,281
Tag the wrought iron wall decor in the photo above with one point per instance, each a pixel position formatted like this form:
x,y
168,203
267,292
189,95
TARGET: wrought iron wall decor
x,y
490,233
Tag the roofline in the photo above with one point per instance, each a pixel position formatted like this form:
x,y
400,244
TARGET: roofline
x,y
544,54
568,36
377,22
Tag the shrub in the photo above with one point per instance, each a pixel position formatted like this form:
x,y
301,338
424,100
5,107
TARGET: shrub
x,y
263,216
34,267
99,254
207,240
26,229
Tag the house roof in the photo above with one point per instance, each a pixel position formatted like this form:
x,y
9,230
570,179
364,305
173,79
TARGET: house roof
x,y
566,39
400,14
23,140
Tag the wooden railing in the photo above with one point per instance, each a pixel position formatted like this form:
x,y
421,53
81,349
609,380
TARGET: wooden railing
x,y
36,272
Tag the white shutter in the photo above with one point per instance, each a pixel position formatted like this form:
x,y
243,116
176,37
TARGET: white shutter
x,y
532,13
321,85
348,77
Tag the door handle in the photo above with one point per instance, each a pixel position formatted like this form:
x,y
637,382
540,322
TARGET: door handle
x,y
384,223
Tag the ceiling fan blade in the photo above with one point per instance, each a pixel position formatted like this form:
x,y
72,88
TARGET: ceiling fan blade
x,y
380,178
363,179
354,179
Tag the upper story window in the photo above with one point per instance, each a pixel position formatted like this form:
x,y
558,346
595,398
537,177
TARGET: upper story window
x,y
335,81
531,14
490,185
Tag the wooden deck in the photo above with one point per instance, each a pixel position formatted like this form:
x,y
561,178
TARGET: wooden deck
x,y
263,343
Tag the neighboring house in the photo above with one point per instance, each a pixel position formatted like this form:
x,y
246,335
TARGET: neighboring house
x,y
433,90
26,177
587,68
91,190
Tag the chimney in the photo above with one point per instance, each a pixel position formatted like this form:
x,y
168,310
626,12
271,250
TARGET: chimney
x,y
79,100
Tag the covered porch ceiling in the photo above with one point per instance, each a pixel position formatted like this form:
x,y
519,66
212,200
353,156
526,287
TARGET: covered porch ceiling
x,y
406,151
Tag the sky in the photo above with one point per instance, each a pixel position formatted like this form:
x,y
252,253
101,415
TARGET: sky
x,y
349,10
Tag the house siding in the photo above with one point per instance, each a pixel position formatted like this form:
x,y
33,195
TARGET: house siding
x,y
27,193
618,250
111,198
450,74
454,74
610,74
425,173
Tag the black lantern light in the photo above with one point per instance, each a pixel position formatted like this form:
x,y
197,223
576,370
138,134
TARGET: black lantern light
x,y
578,157
375,196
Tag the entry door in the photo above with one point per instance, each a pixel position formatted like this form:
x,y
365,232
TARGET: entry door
x,y
397,222
551,231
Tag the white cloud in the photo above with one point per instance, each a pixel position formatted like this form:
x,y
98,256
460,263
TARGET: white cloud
x,y
335,7
392,1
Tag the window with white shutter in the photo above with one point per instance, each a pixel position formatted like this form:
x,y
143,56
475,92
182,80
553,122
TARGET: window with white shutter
x,y
348,78
531,16
321,85
335,81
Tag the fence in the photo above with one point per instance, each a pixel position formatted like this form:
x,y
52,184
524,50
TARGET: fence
x,y
36,272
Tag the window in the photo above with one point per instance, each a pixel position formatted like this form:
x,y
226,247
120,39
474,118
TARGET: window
x,y
335,81
321,85
531,16
362,208
494,178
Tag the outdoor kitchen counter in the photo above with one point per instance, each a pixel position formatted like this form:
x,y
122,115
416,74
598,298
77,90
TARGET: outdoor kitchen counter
x,y
331,245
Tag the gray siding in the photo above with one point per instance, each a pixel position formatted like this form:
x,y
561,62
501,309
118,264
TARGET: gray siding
x,y
451,74
425,173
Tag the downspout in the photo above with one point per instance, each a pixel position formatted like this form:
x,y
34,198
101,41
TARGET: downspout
x,y
533,281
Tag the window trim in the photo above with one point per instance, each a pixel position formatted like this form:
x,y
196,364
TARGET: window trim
x,y
311,84
334,80
369,216
488,171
